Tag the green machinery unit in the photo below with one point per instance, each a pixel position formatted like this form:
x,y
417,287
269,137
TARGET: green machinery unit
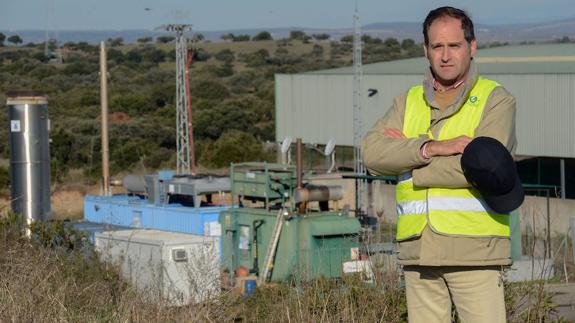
x,y
279,236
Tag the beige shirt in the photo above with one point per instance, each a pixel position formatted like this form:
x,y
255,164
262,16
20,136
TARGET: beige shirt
x,y
391,156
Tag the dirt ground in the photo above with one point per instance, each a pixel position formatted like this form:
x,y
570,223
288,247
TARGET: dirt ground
x,y
67,203
564,297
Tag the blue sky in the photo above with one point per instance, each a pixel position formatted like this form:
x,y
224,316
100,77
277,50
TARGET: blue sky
x,y
236,14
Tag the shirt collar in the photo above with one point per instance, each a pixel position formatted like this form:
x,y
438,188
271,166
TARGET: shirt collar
x,y
440,88
429,90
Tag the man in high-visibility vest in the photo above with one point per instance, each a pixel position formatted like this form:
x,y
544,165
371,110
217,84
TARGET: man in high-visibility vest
x,y
451,244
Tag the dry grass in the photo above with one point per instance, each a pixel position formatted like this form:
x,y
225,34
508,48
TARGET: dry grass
x,y
58,280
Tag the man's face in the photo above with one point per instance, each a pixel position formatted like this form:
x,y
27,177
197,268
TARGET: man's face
x,y
448,52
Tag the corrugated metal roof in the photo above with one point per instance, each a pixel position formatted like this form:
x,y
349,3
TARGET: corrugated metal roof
x,y
524,59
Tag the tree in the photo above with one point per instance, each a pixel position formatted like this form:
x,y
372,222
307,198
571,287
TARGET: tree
x,y
243,82
281,56
15,39
153,54
262,35
367,39
227,69
62,143
84,46
199,55
297,35
248,114
232,146
80,67
134,56
257,58
52,44
145,40
322,36
2,39
115,42
4,177
198,37
116,55
317,51
210,90
407,43
392,48
347,39
225,55
227,36
242,38
392,43
164,39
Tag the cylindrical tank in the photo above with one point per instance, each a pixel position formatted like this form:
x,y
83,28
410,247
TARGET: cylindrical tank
x,y
29,155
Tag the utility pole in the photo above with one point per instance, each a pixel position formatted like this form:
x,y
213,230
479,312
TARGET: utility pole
x,y
183,112
104,110
360,184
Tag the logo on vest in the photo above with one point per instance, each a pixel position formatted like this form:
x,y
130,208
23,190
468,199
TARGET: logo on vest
x,y
473,99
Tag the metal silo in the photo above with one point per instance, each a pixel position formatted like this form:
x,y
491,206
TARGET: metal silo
x,y
29,154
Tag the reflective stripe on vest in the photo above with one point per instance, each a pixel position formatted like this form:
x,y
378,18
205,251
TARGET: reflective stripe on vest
x,y
459,211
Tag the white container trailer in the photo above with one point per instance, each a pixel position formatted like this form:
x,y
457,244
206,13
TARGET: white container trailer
x,y
165,266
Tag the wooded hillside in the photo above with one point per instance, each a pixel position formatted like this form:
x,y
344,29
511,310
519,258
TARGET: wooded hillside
x,y
231,85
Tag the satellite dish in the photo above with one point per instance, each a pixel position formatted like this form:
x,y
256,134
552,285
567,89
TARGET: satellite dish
x,y
329,147
330,151
286,144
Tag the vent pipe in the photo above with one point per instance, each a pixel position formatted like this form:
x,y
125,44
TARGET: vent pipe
x,y
29,155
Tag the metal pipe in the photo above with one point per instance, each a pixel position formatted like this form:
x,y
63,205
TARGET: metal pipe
x,y
572,225
563,186
299,170
549,251
104,105
319,193
299,182
134,184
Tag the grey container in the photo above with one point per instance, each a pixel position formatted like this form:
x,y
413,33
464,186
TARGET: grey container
x,y
169,267
29,155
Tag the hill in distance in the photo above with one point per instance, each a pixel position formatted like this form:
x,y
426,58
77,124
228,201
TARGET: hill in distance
x,y
512,33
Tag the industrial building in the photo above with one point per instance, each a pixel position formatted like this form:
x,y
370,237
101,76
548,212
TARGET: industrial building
x,y
317,106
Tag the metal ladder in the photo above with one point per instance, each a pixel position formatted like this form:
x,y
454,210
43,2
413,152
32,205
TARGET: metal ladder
x,y
270,254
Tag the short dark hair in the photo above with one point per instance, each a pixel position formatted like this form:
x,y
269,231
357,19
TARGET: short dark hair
x,y
466,23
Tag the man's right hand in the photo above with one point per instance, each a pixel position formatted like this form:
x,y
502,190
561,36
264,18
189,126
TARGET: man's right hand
x,y
449,147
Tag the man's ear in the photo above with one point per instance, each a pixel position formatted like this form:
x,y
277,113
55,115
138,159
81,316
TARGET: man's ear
x,y
473,48
424,50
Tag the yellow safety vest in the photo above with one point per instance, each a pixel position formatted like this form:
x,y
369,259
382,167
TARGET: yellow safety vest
x,y
448,211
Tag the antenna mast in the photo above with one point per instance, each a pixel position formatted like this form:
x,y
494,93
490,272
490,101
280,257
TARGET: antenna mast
x,y
359,169
51,47
183,164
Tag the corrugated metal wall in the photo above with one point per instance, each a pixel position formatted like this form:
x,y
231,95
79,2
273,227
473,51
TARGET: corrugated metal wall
x,y
545,113
318,107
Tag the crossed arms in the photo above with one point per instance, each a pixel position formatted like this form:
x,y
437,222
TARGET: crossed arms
x,y
386,151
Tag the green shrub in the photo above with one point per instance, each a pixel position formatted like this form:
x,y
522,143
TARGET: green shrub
x,y
4,178
210,89
232,147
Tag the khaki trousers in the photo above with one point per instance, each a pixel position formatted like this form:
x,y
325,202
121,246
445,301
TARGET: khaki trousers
x,y
476,292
